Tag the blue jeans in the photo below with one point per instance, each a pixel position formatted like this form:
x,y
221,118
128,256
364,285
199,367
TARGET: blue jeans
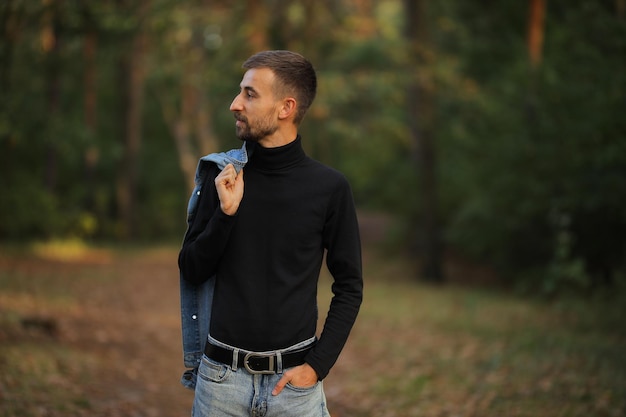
x,y
222,392
226,390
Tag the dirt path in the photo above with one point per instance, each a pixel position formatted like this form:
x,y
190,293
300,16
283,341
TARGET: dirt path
x,y
99,336
115,316
124,323
134,327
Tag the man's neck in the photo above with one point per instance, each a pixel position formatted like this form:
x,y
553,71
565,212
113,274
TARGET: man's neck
x,y
283,136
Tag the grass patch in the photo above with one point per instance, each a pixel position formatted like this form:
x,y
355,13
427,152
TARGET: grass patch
x,y
452,351
416,350
38,375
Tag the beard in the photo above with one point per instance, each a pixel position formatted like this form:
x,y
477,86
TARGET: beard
x,y
253,132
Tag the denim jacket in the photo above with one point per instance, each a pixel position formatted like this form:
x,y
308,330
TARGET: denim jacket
x,y
196,300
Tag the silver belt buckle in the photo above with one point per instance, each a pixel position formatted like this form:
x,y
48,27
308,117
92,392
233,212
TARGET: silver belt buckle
x,y
246,363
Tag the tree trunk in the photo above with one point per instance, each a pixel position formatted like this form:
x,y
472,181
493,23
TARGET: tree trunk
x,y
132,75
257,36
180,126
204,125
50,46
192,120
9,22
90,111
536,24
420,108
535,31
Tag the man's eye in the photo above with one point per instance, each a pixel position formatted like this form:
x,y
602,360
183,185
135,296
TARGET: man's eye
x,y
249,95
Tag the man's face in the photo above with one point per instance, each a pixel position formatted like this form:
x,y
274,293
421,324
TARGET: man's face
x,y
255,107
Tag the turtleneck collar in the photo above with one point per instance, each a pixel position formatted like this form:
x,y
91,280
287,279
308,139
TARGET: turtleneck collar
x,y
274,159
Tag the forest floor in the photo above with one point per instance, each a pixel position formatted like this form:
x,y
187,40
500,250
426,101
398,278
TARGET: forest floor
x,y
96,332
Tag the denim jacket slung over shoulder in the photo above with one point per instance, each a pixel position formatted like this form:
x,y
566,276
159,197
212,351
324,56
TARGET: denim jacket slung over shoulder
x,y
196,300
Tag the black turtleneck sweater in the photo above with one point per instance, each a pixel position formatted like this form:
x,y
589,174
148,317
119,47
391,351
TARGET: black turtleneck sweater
x,y
267,258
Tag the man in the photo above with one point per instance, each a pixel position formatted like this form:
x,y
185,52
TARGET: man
x,y
261,236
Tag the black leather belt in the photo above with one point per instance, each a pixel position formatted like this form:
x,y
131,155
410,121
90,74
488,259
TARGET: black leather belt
x,y
256,363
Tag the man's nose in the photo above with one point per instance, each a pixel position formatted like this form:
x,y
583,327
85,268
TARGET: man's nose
x,y
236,104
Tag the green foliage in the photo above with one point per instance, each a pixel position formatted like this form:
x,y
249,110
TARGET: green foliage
x,y
365,134
538,156
531,162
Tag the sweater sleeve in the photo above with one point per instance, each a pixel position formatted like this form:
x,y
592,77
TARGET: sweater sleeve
x,y
343,258
207,236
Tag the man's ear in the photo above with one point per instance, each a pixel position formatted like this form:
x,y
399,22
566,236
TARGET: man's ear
x,y
288,109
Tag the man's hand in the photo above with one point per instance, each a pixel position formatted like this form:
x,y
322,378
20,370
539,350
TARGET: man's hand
x,y
229,187
300,376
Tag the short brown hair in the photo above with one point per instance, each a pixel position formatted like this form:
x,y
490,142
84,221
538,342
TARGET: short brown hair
x,y
295,74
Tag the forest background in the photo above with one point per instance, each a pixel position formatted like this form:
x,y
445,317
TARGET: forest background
x,y
494,131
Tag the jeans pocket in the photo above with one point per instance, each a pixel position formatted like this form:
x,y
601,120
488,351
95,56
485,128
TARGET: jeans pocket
x,y
302,389
213,371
